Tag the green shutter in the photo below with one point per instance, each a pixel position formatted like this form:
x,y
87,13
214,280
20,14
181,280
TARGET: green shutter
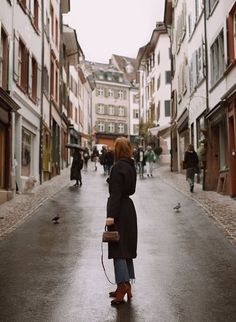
x,y
96,91
126,129
96,108
115,93
106,127
125,94
106,92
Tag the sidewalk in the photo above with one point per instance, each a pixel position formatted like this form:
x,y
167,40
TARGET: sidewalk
x,y
222,209
15,211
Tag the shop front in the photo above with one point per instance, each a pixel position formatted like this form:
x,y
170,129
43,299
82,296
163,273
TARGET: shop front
x,y
183,137
7,181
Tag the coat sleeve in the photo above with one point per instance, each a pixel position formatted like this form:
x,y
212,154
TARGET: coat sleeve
x,y
116,183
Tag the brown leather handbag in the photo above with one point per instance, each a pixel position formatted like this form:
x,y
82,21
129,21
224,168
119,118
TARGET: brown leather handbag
x,y
110,236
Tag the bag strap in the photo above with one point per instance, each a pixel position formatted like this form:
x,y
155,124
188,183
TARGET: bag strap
x,y
102,262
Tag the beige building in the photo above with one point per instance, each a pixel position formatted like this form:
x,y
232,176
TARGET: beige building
x,y
110,102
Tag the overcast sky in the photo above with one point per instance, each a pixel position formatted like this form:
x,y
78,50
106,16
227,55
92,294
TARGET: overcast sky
x,y
106,27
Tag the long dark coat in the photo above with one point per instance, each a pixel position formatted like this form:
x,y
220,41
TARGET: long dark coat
x,y
122,184
77,165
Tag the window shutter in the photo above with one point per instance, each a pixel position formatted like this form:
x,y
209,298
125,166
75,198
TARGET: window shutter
x,y
96,91
106,127
39,87
16,57
96,107
125,110
115,93
105,92
194,69
125,128
30,74
125,94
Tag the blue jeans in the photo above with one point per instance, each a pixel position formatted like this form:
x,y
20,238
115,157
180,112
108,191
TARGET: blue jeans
x,y
124,270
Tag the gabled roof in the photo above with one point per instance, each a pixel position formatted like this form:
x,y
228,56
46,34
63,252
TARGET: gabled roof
x,y
73,49
146,50
104,72
127,65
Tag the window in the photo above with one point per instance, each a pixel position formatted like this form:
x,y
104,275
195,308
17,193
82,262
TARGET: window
x,y
210,6
56,31
121,128
168,77
121,111
111,110
158,82
111,127
100,91
167,108
136,114
52,21
54,78
26,152
136,98
158,58
136,129
3,59
231,35
110,93
101,127
120,94
36,14
34,78
101,109
45,81
23,62
217,58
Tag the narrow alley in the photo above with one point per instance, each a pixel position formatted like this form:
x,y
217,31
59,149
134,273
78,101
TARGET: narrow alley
x,y
185,269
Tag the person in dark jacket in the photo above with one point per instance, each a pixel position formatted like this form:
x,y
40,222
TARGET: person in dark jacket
x,y
121,216
109,160
77,165
86,157
191,165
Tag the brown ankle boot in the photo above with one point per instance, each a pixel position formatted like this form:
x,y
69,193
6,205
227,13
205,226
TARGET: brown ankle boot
x,y
122,289
129,294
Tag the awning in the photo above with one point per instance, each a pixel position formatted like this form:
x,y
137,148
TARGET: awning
x,y
160,130
73,50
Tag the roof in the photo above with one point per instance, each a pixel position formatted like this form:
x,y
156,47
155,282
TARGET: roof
x,y
168,12
151,45
160,130
104,72
127,65
73,49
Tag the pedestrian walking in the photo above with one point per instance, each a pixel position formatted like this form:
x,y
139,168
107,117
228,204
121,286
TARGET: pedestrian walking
x,y
77,165
141,161
191,165
150,158
109,160
95,157
86,157
102,159
121,216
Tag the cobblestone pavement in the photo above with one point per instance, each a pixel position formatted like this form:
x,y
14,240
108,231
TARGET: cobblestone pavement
x,y
222,209
15,211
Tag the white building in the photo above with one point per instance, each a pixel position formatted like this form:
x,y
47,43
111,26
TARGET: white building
x,y
155,89
26,86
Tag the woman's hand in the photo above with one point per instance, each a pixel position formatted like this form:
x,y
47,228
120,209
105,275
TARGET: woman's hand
x,y
109,221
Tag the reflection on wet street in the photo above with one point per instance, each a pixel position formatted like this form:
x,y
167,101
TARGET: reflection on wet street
x,y
185,269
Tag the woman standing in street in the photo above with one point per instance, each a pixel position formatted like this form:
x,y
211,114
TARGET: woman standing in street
x,y
121,216
191,165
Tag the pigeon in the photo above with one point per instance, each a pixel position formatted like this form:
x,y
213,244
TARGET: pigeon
x,y
177,207
55,219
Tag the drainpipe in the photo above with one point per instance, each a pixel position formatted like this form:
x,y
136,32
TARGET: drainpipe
x,y
207,81
41,98
206,56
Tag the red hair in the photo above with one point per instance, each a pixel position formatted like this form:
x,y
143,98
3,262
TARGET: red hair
x,y
123,148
